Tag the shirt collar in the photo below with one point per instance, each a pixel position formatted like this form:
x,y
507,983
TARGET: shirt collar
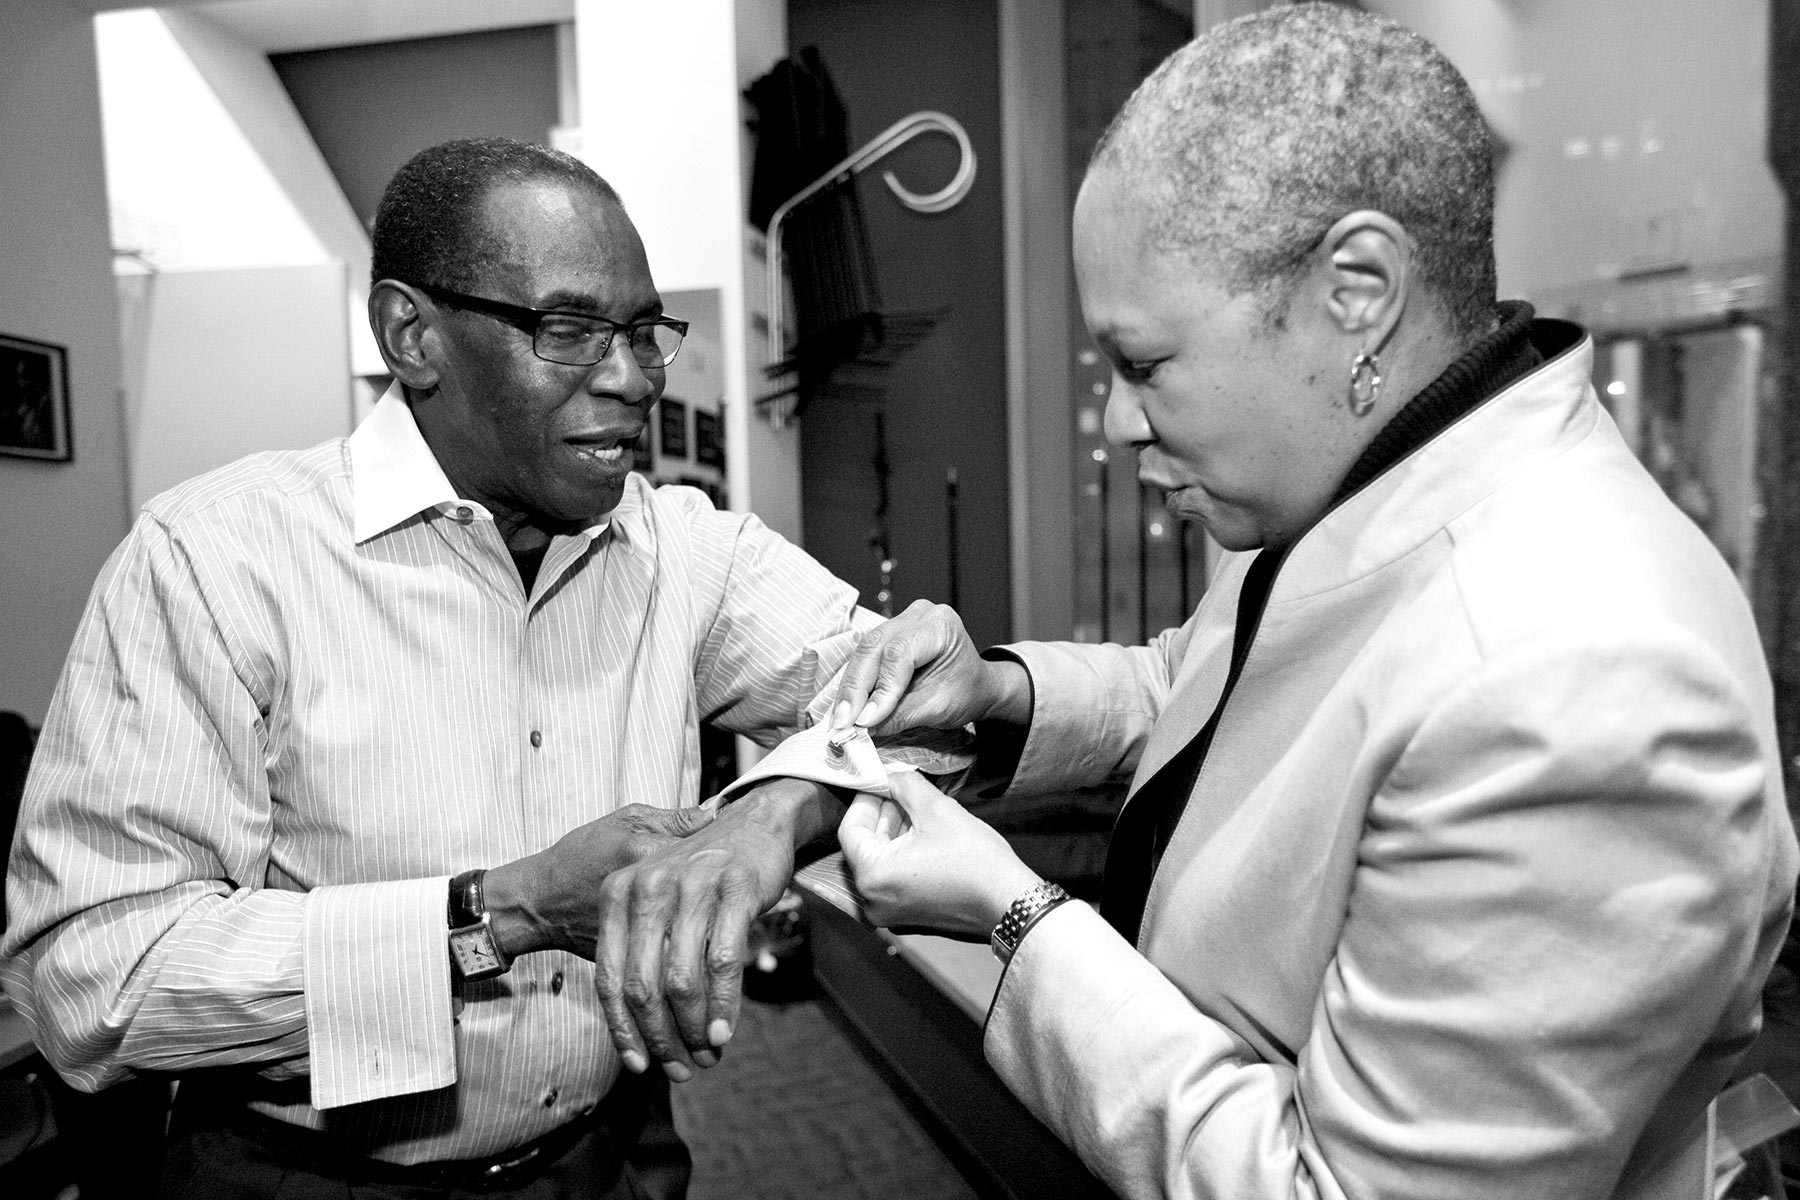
x,y
394,476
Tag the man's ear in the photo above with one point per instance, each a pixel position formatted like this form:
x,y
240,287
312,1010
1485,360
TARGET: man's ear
x,y
1370,272
406,336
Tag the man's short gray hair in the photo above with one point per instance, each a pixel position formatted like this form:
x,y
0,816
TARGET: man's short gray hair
x,y
1253,139
429,224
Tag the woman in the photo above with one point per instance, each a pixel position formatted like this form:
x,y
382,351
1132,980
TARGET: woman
x,y
1456,852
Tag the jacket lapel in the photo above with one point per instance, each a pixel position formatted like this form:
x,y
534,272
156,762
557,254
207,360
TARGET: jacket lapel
x,y
1197,686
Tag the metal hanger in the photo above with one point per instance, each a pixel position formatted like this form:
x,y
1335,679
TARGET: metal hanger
x,y
879,147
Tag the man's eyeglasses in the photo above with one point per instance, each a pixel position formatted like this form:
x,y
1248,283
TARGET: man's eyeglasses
x,y
575,339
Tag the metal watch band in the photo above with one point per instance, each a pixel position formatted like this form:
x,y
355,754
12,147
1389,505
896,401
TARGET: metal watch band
x,y
1021,915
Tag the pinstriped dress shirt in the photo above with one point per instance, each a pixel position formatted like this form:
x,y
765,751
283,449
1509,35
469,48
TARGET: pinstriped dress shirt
x,y
307,689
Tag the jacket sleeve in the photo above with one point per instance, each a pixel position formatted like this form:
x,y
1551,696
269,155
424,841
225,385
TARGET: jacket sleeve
x,y
1570,880
1093,707
141,934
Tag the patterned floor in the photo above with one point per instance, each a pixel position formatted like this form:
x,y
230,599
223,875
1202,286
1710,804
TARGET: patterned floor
x,y
796,1113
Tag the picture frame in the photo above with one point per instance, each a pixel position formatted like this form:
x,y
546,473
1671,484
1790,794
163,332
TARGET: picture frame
x,y
709,439
672,428
34,400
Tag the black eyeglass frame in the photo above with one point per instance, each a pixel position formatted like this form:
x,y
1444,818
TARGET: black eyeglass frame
x,y
527,320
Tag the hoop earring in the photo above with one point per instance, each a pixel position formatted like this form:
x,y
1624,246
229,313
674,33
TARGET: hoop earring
x,y
1365,383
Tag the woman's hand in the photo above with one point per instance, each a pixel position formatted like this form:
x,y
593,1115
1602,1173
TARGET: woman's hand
x,y
922,861
921,671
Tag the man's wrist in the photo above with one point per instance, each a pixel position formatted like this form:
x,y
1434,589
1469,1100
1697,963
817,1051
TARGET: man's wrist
x,y
795,811
509,910
475,949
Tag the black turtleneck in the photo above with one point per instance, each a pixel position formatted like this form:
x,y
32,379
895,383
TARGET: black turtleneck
x,y
1485,370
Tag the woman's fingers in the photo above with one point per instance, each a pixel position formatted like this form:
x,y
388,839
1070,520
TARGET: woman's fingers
x,y
859,833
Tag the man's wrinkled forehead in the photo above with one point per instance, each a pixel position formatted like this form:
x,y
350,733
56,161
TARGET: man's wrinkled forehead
x,y
562,241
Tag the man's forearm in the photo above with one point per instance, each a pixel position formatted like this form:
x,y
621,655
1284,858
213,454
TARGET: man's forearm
x,y
796,812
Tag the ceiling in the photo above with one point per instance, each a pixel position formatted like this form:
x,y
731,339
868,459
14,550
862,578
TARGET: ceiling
x,y
276,26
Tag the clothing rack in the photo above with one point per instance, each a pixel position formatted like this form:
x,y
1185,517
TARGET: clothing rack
x,y
877,148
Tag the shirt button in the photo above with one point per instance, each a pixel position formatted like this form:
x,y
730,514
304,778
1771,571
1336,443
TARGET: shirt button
x,y
537,739
556,982
550,1098
464,514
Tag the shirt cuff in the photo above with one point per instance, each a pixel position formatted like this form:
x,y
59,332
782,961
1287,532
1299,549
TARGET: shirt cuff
x,y
377,978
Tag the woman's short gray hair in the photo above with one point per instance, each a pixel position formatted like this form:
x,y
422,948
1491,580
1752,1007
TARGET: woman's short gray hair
x,y
1253,139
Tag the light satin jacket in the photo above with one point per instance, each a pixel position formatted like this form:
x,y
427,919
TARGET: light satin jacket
x,y
1483,873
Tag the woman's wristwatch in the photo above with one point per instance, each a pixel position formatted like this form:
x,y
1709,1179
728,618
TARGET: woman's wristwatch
x,y
1021,915
473,947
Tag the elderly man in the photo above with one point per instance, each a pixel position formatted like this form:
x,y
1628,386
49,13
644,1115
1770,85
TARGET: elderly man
x,y
1456,851
352,739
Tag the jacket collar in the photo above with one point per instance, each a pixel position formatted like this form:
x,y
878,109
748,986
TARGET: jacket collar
x,y
1535,419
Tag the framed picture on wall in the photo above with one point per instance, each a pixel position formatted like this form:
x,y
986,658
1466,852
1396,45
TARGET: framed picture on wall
x,y
34,400
709,439
673,442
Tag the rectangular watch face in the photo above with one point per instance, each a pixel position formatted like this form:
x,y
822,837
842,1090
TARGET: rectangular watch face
x,y
474,952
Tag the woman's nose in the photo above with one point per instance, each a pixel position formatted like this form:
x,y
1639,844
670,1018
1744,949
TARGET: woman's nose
x,y
1126,424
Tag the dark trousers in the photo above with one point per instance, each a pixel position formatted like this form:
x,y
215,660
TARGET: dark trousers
x,y
627,1149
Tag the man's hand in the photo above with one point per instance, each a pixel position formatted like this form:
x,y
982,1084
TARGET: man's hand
x,y
922,861
921,671
674,927
545,901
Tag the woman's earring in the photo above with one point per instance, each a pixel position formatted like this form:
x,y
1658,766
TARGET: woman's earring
x,y
1365,383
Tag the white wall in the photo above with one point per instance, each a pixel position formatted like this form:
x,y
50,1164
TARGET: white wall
x,y
686,191
57,521
232,362
188,189
1638,132
1039,391
764,462
210,165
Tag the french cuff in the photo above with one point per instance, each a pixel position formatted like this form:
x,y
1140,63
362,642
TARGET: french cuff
x,y
377,977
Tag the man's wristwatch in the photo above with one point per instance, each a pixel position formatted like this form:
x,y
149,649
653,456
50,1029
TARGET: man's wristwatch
x,y
473,947
1021,915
